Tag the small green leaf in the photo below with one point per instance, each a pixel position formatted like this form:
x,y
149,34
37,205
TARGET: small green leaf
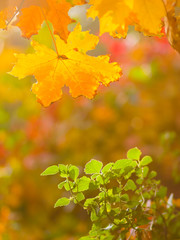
x,y
62,202
73,172
93,185
124,197
152,174
123,163
94,176
79,197
145,161
145,171
139,181
99,179
83,184
93,215
132,204
52,170
134,153
115,190
130,185
89,201
61,184
68,185
162,192
63,170
120,221
107,167
102,196
146,195
108,207
94,166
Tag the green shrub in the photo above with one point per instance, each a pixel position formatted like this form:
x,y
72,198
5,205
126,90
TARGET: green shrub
x,y
128,202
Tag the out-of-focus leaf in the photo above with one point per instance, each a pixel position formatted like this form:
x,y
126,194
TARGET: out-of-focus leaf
x,y
134,153
145,161
130,185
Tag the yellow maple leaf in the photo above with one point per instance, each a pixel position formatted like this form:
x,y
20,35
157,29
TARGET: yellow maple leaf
x,y
149,14
115,16
69,65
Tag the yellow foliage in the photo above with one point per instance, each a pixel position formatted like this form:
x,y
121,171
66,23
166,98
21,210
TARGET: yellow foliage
x,y
67,66
116,15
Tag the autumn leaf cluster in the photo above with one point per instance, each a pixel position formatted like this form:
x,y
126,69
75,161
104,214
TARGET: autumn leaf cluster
x,y
67,62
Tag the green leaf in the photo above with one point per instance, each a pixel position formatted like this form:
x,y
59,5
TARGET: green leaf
x,y
139,181
113,191
83,184
123,163
145,171
108,207
93,215
107,167
63,170
94,176
134,153
52,170
146,195
89,201
62,202
132,204
152,174
162,192
86,238
68,185
130,185
94,166
73,172
102,196
99,179
145,161
124,197
61,184
79,197
93,185
120,221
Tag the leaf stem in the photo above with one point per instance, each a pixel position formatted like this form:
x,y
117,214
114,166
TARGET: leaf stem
x,y
50,31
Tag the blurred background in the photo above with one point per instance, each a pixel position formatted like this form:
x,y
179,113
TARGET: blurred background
x,y
142,109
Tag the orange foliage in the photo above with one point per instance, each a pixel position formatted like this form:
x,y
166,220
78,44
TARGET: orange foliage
x,y
31,15
67,66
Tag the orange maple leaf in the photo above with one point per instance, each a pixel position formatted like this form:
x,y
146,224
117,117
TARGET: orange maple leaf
x,y
32,13
56,11
69,65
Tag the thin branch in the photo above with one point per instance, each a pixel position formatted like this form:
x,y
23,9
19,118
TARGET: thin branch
x,y
18,8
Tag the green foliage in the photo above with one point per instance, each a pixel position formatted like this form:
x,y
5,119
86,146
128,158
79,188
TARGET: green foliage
x,y
128,200
62,202
134,153
93,166
52,170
